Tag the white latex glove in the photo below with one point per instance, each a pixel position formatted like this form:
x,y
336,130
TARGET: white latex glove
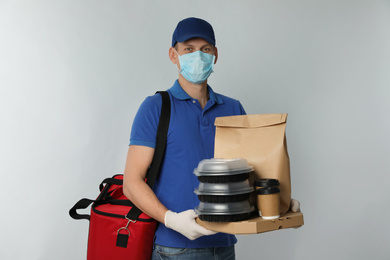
x,y
184,223
295,206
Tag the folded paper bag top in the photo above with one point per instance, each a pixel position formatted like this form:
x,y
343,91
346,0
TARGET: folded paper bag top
x,y
261,140
251,121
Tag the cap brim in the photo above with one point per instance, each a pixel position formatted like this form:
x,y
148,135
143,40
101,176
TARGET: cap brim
x,y
190,36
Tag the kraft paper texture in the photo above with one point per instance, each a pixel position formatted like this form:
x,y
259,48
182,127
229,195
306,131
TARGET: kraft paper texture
x,y
261,140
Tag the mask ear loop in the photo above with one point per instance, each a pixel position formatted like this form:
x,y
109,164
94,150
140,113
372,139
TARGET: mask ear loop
x,y
179,70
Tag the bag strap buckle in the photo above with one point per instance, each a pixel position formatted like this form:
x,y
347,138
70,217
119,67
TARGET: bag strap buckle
x,y
130,221
127,225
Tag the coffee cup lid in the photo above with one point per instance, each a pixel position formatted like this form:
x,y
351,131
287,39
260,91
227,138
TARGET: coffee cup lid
x,y
268,190
266,182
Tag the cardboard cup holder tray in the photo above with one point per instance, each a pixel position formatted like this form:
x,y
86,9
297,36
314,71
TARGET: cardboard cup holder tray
x,y
255,225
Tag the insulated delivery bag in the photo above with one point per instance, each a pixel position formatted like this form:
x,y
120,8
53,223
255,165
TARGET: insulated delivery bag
x,y
112,235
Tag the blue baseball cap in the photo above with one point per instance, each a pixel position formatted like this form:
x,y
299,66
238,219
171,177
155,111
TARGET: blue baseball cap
x,y
191,28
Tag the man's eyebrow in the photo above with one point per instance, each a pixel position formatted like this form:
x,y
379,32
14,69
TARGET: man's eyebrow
x,y
185,45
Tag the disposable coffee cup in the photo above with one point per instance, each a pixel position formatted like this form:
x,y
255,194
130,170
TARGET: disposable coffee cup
x,y
263,183
268,202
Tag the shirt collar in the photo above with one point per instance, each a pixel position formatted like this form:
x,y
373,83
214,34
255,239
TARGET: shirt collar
x,y
178,92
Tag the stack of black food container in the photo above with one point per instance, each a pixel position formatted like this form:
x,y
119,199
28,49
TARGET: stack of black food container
x,y
224,190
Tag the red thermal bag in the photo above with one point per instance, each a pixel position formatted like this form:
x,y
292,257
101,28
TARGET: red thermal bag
x,y
111,234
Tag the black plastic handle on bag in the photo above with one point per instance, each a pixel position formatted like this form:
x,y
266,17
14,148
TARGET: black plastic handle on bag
x,y
110,181
81,204
84,203
161,141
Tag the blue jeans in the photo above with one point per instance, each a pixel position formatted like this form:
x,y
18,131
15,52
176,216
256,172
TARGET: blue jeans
x,y
212,253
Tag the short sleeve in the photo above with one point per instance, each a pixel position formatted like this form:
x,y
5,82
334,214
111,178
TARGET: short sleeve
x,y
242,110
145,124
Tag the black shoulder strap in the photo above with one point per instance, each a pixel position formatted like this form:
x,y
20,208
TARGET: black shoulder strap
x,y
161,141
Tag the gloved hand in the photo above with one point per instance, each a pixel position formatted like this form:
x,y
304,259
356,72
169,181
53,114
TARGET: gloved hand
x,y
295,206
184,223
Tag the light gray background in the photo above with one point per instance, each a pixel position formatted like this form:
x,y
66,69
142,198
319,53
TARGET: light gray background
x,y
73,73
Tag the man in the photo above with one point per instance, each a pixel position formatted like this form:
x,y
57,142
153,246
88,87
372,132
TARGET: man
x,y
190,139
194,107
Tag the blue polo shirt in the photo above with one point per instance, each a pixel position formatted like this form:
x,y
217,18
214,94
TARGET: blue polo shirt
x,y
191,136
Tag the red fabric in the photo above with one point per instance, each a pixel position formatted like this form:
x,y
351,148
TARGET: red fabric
x,y
103,231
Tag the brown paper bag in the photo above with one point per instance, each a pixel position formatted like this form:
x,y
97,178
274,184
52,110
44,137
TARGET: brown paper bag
x,y
261,140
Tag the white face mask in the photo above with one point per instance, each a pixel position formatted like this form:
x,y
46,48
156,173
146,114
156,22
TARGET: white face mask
x,y
196,66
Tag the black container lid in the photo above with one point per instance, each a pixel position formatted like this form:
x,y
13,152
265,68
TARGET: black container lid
x,y
268,190
266,182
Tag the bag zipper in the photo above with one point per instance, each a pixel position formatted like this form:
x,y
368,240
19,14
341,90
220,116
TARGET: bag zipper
x,y
119,216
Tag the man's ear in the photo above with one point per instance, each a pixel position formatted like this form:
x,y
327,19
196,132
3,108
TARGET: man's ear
x,y
216,54
173,55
